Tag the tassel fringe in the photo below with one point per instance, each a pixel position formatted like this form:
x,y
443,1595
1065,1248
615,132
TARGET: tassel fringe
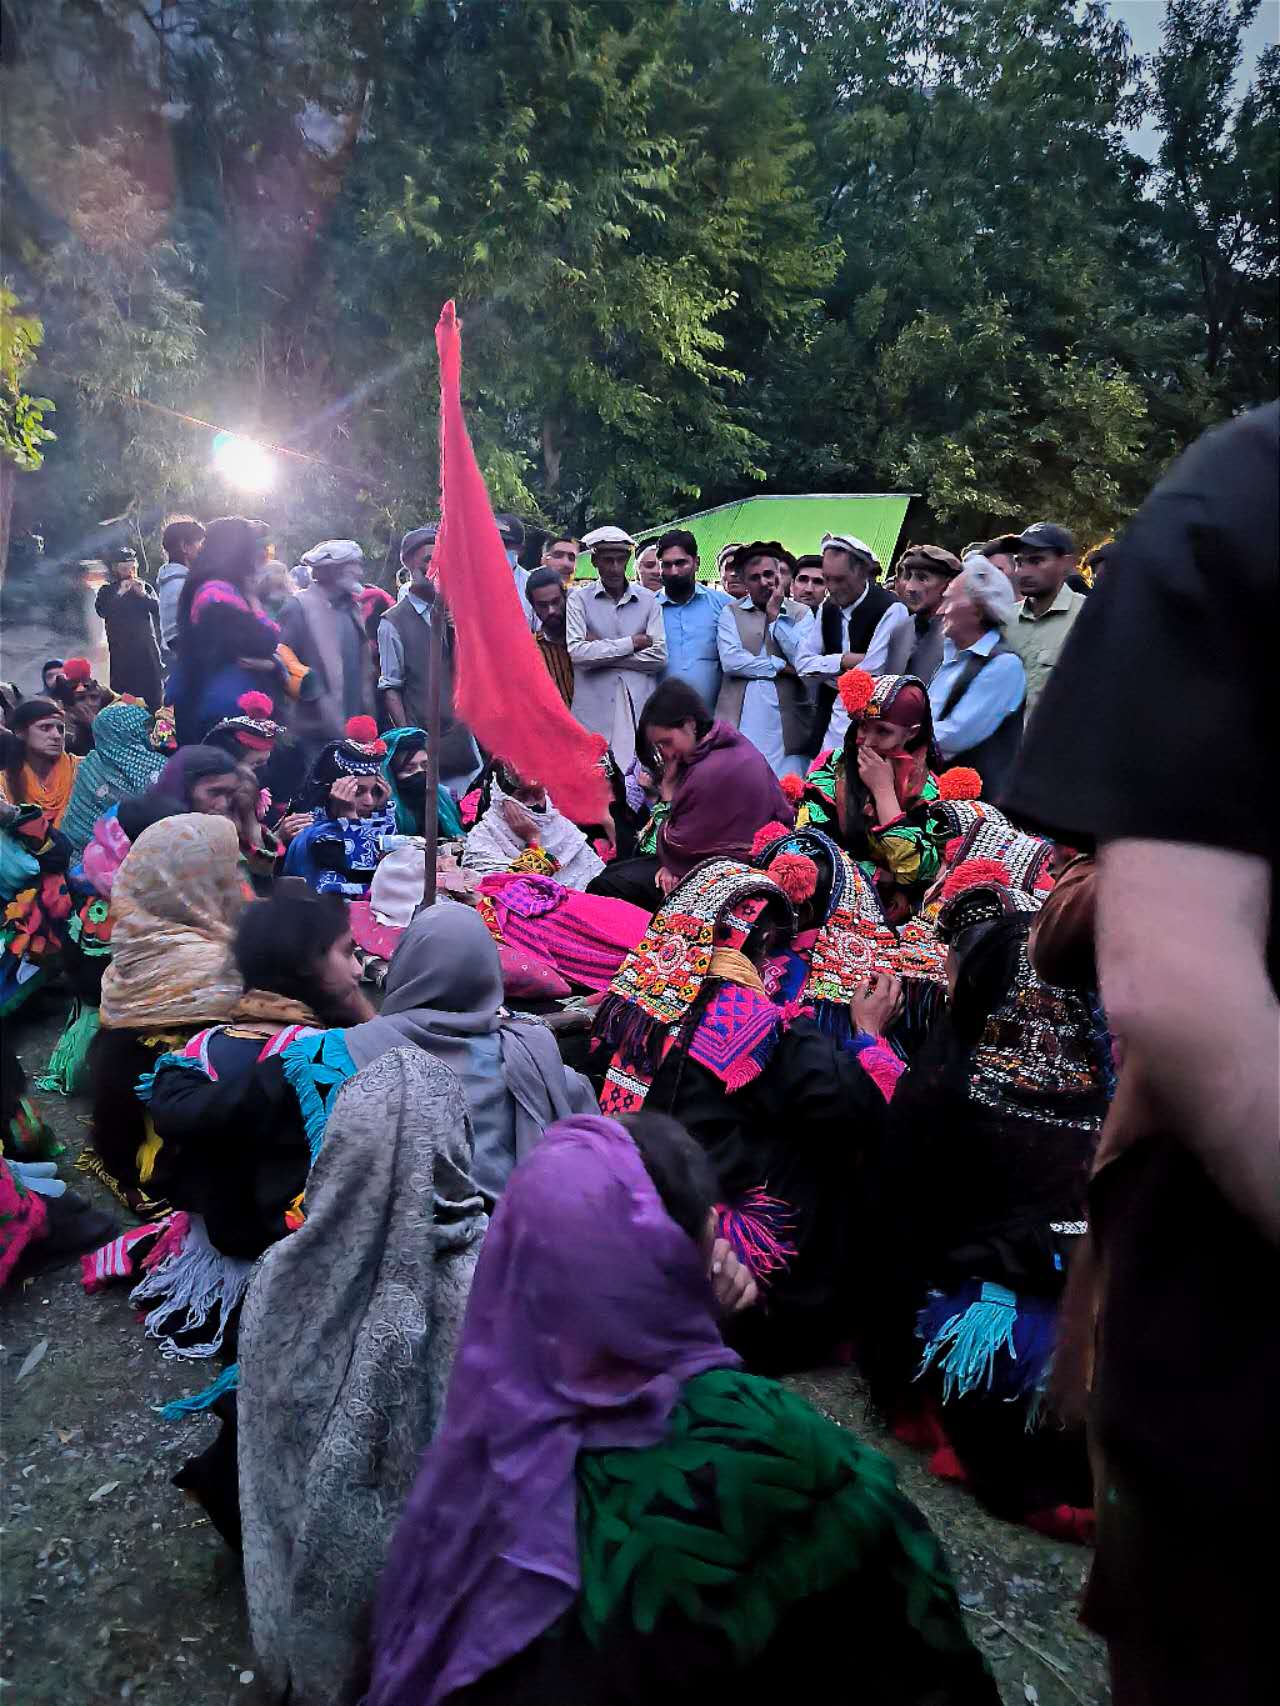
x,y
179,1408
194,1290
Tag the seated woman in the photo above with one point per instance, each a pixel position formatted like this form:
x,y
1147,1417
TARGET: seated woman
x,y
339,849
782,1108
130,746
719,788
35,767
346,1342
233,1147
226,643
883,808
518,829
174,902
979,1194
35,902
405,771
761,1541
81,697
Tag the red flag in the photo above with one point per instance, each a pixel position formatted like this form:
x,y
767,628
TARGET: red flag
x,y
503,690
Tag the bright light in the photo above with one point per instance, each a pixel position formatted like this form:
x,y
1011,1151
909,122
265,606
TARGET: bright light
x,y
243,463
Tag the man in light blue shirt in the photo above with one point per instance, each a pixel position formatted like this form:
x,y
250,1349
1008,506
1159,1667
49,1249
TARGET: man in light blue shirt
x,y
690,614
978,693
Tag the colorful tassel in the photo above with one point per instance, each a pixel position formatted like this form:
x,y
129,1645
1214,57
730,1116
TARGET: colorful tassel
x,y
758,1229
65,1073
177,1408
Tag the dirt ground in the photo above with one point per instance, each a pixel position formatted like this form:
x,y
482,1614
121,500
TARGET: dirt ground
x,y
112,1586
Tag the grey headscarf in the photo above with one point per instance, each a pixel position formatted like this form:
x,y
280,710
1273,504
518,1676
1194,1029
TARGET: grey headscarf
x,y
444,993
346,1344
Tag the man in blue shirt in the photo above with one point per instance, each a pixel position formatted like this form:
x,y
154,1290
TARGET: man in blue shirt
x,y
978,693
690,614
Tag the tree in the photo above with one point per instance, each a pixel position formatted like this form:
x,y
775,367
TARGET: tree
x,y
1219,165
23,433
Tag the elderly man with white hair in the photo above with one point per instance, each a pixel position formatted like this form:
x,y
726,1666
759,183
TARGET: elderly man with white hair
x,y
979,692
323,627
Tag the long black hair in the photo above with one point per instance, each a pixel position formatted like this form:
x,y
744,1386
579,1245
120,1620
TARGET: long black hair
x,y
673,702
681,1170
280,942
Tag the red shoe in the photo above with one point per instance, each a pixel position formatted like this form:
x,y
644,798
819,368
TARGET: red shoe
x,y
1075,1523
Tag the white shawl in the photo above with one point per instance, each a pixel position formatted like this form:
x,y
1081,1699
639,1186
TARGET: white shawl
x,y
493,845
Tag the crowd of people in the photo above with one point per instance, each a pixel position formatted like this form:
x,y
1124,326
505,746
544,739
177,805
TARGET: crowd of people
x,y
488,1224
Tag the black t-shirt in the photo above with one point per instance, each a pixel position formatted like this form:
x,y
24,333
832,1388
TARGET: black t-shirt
x,y
1158,721
1157,724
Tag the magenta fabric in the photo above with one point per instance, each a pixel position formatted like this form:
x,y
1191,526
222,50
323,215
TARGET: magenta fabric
x,y
107,850
503,691
525,977
726,791
584,937
589,1311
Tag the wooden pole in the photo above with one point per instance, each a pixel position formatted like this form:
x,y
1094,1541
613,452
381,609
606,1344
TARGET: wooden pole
x,y
430,812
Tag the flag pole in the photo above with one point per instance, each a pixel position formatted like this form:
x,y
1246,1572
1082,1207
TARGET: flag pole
x,y
430,812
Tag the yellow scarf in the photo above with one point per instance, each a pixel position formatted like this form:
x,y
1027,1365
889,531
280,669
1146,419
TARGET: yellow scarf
x,y
735,967
53,794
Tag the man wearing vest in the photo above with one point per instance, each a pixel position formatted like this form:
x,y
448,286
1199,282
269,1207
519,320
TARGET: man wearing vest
x,y
923,575
759,640
322,627
860,625
404,662
978,694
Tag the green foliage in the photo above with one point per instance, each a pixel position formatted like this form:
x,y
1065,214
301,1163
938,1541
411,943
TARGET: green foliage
x,y
700,248
22,429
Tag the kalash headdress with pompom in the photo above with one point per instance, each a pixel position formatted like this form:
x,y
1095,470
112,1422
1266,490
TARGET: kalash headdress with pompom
x,y
648,1003
360,754
254,727
854,938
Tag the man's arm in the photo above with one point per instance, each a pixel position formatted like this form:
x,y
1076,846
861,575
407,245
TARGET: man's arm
x,y
811,660
592,654
651,659
735,659
391,671
883,656
1182,933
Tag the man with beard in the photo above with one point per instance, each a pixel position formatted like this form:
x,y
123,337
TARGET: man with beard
x,y
690,613
923,574
1047,614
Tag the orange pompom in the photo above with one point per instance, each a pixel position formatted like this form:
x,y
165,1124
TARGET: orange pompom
x,y
959,783
796,875
792,787
77,669
856,688
258,705
362,730
765,837
975,874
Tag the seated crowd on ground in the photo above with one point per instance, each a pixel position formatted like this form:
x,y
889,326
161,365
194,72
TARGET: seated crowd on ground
x,y
488,1226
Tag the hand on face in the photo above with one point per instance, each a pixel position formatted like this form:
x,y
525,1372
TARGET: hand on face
x,y
874,769
520,821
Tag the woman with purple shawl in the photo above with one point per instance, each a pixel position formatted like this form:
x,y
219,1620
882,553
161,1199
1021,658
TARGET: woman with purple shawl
x,y
612,1511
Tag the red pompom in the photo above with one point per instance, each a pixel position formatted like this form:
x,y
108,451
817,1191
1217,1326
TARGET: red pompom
x,y
259,706
960,783
763,837
792,787
77,669
975,874
796,875
951,849
362,730
856,688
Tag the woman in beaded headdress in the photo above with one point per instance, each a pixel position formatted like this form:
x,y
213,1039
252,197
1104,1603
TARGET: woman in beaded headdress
x,y
878,796
782,1107
979,1197
338,851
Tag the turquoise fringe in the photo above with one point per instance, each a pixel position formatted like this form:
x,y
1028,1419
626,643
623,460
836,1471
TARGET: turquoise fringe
x,y
177,1408
966,1346
317,1068
146,1084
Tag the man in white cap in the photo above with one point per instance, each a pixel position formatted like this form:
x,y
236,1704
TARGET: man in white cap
x,y
859,625
322,626
617,643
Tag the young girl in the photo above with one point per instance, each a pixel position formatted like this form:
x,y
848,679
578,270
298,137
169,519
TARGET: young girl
x,y
337,852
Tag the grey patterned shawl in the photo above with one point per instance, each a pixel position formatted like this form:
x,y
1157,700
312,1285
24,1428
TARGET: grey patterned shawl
x,y
346,1342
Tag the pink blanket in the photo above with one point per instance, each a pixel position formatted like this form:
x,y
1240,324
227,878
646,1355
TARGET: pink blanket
x,y
585,937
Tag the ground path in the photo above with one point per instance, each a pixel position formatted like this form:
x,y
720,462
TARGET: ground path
x,y
113,1587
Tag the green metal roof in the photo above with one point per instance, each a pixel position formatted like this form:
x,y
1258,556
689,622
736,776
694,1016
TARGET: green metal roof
x,y
798,522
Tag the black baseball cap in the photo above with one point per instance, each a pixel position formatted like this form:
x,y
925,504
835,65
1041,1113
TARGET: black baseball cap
x,y
1047,536
512,530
